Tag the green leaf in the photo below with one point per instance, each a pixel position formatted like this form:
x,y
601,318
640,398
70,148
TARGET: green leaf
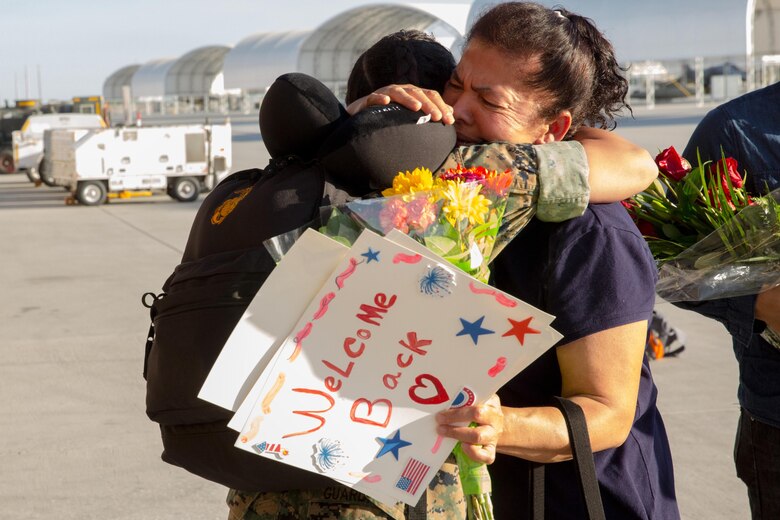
x,y
671,231
708,260
440,245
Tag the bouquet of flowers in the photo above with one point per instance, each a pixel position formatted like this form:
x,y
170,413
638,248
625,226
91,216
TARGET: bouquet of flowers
x,y
709,237
456,214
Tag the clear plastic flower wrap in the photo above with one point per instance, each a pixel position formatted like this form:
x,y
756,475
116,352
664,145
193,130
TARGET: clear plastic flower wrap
x,y
740,257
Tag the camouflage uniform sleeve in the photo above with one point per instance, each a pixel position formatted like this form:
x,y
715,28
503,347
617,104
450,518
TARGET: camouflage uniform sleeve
x,y
521,160
564,191
550,181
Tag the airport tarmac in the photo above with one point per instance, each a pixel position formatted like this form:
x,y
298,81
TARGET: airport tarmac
x,y
76,443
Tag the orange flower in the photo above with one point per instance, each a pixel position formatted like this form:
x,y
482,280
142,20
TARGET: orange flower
x,y
498,183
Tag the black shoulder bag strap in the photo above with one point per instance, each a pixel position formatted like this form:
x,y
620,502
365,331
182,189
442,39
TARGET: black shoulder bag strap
x,y
583,459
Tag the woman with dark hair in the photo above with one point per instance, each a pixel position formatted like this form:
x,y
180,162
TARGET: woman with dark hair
x,y
533,74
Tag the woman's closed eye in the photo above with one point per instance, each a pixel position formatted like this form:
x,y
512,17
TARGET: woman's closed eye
x,y
488,104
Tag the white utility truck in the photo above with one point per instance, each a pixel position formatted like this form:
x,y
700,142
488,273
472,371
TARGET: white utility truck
x,y
182,160
28,142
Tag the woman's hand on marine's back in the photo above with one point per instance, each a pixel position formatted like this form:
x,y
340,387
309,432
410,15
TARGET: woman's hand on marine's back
x,y
409,96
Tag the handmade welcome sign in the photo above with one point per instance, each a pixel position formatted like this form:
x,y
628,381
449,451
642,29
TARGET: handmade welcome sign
x,y
393,337
267,322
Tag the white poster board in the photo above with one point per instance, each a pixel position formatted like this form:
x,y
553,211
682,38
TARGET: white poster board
x,y
391,338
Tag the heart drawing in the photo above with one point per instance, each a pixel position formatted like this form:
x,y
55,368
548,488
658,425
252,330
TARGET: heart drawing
x,y
425,384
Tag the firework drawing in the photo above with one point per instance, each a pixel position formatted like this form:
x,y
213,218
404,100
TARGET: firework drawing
x,y
328,455
437,281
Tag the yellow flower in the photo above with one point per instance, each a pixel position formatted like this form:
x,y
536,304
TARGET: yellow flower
x,y
463,201
421,179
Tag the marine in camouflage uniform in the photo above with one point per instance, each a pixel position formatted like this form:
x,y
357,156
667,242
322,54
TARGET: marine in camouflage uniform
x,y
551,182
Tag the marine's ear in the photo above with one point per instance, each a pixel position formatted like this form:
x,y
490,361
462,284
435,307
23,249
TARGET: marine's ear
x,y
297,114
367,150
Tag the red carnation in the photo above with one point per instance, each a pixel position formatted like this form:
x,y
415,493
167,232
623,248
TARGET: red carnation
x,y
394,215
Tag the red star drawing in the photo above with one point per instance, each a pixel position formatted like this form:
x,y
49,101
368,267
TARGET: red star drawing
x,y
520,329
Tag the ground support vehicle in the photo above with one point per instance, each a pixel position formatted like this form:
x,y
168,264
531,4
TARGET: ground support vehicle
x,y
11,119
96,164
28,141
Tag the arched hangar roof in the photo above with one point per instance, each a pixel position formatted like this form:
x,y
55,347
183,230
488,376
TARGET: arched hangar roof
x,y
257,60
330,51
112,87
197,73
149,80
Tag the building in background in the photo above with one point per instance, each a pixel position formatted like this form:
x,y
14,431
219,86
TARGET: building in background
x,y
257,60
706,49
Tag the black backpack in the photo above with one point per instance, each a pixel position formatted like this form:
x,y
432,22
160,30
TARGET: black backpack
x,y
320,157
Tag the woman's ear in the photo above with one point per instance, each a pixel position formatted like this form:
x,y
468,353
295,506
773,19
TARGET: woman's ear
x,y
557,128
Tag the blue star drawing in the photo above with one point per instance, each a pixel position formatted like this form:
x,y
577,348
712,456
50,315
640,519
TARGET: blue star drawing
x,y
473,329
392,444
371,255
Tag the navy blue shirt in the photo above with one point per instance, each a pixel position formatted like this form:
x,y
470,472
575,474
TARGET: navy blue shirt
x,y
748,129
593,273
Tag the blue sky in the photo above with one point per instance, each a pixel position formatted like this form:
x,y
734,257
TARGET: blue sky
x,y
76,44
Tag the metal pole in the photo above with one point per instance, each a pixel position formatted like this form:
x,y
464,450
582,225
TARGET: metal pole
x,y
750,69
40,89
650,90
127,104
26,83
699,79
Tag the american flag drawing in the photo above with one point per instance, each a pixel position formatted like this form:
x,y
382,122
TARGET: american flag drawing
x,y
412,476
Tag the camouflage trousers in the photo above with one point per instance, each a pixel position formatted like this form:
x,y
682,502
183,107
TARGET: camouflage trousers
x,y
444,501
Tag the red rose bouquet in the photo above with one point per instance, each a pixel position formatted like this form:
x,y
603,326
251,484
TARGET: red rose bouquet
x,y
709,237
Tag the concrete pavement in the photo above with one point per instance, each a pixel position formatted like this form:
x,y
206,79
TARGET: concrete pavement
x,y
74,440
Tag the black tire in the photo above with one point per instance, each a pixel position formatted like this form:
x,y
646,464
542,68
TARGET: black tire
x,y
185,189
6,163
91,193
33,175
45,175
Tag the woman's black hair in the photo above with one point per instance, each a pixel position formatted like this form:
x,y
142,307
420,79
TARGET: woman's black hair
x,y
577,65
406,56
